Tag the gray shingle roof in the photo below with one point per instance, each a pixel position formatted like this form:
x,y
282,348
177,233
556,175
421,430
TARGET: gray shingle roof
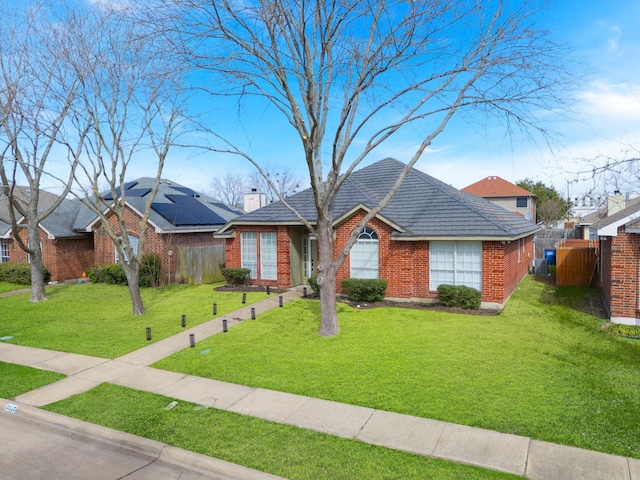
x,y
175,208
422,207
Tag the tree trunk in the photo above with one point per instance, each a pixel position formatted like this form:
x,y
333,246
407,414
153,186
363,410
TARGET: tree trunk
x,y
132,272
35,259
326,272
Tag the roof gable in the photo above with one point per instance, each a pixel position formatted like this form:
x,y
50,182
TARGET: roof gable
x,y
494,186
422,207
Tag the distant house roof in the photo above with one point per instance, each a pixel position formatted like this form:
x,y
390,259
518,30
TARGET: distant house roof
x,y
422,208
175,208
629,217
22,194
495,187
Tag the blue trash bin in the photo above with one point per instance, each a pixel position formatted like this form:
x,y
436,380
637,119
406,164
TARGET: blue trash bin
x,y
550,256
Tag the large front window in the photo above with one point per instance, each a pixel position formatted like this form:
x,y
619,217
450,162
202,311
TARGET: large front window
x,y
364,255
455,263
4,250
249,252
268,256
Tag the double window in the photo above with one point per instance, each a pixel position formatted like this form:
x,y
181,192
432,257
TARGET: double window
x,y
268,254
364,255
455,263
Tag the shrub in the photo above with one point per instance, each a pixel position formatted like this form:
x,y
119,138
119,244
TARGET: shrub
x,y
459,296
19,273
110,274
313,283
361,290
150,271
622,330
236,276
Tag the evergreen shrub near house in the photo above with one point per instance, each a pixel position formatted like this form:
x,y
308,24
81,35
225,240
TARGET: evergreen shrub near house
x,y
19,273
150,271
364,290
236,276
111,274
459,296
313,283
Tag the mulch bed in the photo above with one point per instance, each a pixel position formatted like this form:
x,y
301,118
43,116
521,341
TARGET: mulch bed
x,y
366,305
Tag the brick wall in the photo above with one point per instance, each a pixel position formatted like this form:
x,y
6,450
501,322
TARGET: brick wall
x,y
65,258
620,273
283,246
158,243
404,264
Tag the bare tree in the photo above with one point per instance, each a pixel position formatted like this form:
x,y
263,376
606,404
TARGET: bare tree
x,y
349,75
132,96
37,96
230,188
284,180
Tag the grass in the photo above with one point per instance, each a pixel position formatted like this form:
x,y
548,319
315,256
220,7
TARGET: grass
x,y
10,287
543,368
96,319
282,450
17,379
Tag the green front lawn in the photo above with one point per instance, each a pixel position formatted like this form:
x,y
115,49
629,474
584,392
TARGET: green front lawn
x,y
542,368
10,287
96,319
282,450
17,379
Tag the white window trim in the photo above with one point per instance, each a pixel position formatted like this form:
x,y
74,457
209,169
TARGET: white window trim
x,y
369,243
249,252
269,255
434,282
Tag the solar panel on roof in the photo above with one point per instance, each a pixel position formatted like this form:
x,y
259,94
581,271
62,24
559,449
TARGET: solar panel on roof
x,y
137,192
183,199
180,214
129,185
226,207
186,191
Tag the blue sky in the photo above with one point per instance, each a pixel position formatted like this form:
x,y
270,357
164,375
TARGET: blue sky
x,y
602,118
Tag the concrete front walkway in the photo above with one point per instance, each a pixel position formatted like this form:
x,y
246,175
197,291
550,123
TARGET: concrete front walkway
x,y
484,448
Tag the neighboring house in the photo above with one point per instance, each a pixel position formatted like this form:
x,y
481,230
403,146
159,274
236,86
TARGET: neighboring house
x,y
619,275
73,237
506,194
429,234
179,219
65,252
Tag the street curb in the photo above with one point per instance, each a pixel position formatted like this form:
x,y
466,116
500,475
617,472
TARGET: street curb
x,y
157,451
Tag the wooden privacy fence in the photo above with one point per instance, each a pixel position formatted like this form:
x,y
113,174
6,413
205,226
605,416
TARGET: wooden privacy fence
x,y
576,262
198,265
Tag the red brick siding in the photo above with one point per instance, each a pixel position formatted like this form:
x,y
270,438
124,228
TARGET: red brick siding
x,y
154,243
234,254
620,257
404,264
65,259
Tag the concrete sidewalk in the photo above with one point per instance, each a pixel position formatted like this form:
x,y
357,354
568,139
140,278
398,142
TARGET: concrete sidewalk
x,y
488,449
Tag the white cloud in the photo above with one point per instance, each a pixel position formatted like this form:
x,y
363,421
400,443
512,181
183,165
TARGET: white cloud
x,y
620,101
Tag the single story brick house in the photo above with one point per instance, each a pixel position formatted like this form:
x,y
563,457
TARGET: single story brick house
x,y
619,275
65,252
73,237
429,234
